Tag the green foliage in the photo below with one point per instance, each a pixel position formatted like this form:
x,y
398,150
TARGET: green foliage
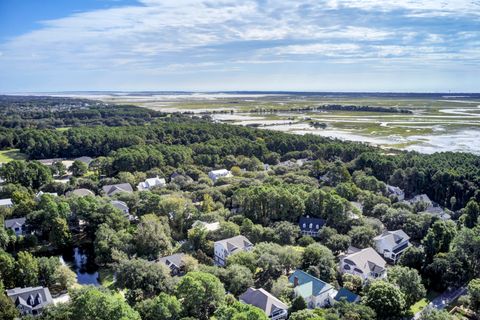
x,y
92,303
385,299
29,174
162,306
235,310
26,270
409,282
152,237
320,260
201,293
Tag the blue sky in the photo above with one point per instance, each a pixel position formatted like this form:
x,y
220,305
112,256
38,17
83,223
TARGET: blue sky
x,y
311,45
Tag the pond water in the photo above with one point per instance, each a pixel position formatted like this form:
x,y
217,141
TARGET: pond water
x,y
81,261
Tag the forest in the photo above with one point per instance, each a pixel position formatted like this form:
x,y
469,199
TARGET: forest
x,y
275,179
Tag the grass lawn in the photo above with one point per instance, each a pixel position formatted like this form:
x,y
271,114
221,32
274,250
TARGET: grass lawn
x,y
419,305
62,128
11,154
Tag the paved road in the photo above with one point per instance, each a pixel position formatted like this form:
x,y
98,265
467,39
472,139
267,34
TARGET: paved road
x,y
443,300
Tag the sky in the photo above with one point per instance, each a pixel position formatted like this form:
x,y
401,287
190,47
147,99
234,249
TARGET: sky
x,y
207,45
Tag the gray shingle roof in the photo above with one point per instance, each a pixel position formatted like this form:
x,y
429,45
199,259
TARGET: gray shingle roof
x,y
12,222
33,298
111,189
235,243
263,300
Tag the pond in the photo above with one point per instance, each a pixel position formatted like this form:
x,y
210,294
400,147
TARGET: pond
x,y
82,261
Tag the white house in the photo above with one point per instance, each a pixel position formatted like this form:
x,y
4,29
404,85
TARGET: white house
x,y
216,174
150,183
366,263
16,225
396,192
6,203
224,248
39,195
262,299
315,292
391,244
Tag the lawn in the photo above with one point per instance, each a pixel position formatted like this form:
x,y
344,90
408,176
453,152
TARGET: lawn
x,y
11,154
419,305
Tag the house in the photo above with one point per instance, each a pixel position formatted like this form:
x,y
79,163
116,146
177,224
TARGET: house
x,y
80,193
310,226
84,159
122,206
262,299
39,195
217,174
224,248
174,263
391,244
50,162
438,212
395,192
315,292
113,189
208,226
30,300
150,183
421,198
346,295
366,263
16,225
6,203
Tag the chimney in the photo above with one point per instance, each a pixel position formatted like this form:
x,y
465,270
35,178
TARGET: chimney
x,y
295,282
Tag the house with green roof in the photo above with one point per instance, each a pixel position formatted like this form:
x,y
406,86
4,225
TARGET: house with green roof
x,y
315,292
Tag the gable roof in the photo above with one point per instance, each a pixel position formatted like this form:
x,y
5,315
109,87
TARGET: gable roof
x,y
173,261
12,223
392,238
111,189
6,202
151,182
346,295
219,172
308,285
366,260
119,205
235,243
33,298
262,299
313,221
208,226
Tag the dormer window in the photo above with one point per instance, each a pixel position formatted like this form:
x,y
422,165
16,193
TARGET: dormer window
x,y
311,225
318,226
304,225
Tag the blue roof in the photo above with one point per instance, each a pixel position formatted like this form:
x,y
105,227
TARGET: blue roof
x,y
307,221
308,285
347,295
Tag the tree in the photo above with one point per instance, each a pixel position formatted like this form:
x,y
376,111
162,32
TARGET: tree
x,y
27,173
65,277
58,168
320,257
471,214
111,245
7,307
298,304
438,238
238,279
60,235
235,310
465,247
47,269
26,270
7,269
163,306
362,236
474,295
201,293
353,311
78,168
286,233
434,314
385,299
152,238
413,257
92,303
149,277
208,205
282,289
409,282
305,314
